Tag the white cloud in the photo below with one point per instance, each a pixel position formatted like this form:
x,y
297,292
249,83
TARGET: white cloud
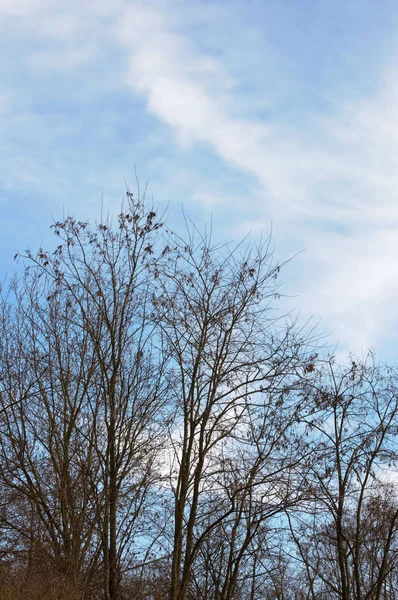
x,y
342,174
21,8
176,82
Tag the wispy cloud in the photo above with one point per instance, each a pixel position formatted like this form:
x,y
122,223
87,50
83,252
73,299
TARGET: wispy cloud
x,y
342,176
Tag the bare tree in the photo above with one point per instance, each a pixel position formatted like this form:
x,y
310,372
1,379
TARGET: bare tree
x,y
260,474
226,347
166,432
46,460
353,424
83,389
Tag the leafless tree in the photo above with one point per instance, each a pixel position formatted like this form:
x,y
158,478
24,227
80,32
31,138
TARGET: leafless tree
x,y
82,388
227,347
166,432
353,424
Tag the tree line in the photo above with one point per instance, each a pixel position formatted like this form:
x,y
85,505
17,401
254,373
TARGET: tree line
x,y
167,433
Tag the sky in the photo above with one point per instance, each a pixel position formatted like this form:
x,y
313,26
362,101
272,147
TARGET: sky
x,y
258,115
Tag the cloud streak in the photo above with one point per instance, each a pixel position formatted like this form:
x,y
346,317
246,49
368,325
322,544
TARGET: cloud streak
x,y
343,174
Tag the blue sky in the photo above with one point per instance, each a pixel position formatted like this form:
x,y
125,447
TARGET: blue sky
x,y
254,111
